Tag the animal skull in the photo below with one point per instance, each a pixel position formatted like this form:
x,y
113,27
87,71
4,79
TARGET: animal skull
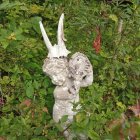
x,y
58,50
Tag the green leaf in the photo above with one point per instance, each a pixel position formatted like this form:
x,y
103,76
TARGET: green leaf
x,y
93,135
59,127
4,5
5,80
4,43
7,5
36,84
119,104
113,17
43,91
35,23
29,90
64,118
38,130
6,108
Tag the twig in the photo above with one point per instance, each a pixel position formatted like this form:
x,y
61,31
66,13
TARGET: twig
x,y
66,129
122,33
120,26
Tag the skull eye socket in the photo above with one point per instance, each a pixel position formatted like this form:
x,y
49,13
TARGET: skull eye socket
x,y
84,77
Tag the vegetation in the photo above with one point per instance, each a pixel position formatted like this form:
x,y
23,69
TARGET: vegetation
x,y
26,98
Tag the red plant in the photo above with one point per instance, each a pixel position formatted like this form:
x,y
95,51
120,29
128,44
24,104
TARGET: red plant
x,y
1,101
97,41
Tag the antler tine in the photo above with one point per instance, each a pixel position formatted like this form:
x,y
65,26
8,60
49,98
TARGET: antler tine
x,y
45,37
60,32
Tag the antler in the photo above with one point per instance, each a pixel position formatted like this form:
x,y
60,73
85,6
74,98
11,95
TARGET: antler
x,y
45,37
56,50
60,32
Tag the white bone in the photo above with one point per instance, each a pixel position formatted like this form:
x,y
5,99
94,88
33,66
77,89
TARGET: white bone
x,y
60,37
60,32
56,50
45,37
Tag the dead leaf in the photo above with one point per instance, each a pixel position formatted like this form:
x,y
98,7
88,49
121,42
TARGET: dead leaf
x,y
26,103
2,138
135,109
45,109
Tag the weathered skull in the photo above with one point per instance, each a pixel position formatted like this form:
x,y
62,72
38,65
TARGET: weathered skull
x,y
58,50
56,69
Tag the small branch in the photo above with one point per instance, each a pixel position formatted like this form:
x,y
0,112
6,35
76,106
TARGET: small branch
x,y
122,32
120,26
66,129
